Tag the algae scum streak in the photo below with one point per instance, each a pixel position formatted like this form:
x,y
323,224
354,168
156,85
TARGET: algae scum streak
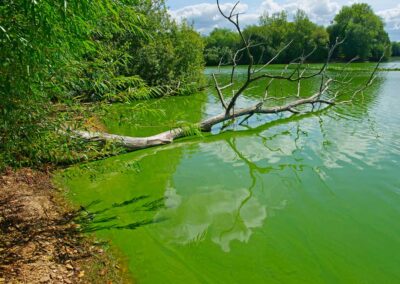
x,y
312,199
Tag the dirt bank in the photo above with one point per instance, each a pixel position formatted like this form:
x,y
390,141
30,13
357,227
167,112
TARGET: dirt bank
x,y
39,242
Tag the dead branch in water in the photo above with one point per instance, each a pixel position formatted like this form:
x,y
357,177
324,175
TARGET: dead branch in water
x,y
325,95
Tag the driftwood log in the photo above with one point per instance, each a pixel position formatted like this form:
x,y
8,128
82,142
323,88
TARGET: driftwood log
x,y
135,143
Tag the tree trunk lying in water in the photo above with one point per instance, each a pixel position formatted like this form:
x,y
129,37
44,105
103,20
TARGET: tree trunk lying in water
x,y
136,143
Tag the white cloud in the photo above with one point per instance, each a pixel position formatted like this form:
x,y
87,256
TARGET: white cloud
x,y
391,17
320,11
271,6
205,16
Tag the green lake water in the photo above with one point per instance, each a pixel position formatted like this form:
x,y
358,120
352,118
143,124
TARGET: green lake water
x,y
307,199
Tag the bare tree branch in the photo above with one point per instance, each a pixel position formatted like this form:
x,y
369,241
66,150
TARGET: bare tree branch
x,y
273,58
219,91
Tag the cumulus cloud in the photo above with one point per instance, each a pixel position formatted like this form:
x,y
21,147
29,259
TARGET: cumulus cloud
x,y
320,11
270,6
205,16
391,18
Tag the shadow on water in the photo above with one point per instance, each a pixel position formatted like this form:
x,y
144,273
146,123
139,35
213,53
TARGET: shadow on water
x,y
98,220
130,201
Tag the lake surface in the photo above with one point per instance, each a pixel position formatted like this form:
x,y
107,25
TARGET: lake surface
x,y
307,199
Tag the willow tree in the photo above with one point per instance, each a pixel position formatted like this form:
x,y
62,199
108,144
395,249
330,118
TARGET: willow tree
x,y
328,93
45,46
65,52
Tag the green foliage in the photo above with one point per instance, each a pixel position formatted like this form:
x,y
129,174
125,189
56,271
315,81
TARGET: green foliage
x,y
306,37
274,32
395,48
39,40
361,28
221,44
268,38
172,55
83,50
171,58
164,58
363,32
191,129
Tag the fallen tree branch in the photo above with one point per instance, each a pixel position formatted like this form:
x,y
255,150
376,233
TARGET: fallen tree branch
x,y
167,137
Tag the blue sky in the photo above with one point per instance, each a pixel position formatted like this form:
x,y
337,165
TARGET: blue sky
x,y
204,14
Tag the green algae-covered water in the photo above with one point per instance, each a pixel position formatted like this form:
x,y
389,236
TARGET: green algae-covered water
x,y
308,199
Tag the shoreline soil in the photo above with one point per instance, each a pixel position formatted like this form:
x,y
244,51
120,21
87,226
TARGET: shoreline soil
x,y
39,240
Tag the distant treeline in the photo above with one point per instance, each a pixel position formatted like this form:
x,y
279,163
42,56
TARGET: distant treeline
x,y
395,48
363,31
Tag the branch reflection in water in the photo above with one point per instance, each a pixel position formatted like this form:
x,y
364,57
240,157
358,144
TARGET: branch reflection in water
x,y
223,215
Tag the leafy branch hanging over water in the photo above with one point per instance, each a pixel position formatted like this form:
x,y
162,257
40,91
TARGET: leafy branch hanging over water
x,y
68,52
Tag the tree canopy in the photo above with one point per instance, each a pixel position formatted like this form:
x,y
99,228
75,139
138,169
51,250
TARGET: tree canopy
x,y
363,31
221,43
273,32
395,48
